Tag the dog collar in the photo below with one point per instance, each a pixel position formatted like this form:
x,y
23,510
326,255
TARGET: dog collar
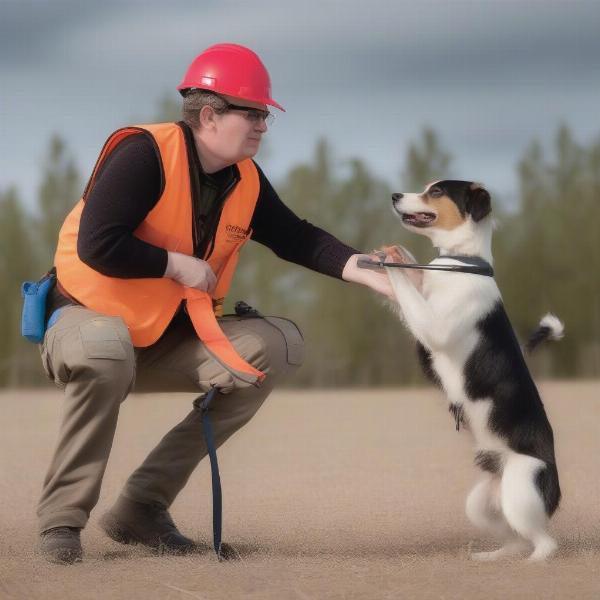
x,y
482,266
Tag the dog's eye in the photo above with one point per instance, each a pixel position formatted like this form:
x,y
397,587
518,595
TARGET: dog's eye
x,y
435,193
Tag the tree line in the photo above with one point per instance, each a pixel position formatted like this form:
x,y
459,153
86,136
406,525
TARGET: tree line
x,y
546,259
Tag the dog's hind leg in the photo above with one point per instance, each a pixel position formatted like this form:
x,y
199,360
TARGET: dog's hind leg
x,y
484,510
523,505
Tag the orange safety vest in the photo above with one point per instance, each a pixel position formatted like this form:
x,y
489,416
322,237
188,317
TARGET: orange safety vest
x,y
147,305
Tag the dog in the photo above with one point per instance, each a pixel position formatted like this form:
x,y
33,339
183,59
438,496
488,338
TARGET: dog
x,y
467,346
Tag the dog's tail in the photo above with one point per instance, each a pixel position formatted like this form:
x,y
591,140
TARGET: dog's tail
x,y
550,328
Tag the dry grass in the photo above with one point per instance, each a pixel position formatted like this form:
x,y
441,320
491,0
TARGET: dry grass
x,y
327,495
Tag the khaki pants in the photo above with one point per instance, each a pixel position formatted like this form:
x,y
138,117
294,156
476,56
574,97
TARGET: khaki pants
x,y
92,358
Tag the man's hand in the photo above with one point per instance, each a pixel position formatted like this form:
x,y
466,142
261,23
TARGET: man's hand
x,y
376,280
190,271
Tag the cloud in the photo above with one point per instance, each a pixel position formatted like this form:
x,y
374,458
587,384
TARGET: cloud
x,y
489,74
327,40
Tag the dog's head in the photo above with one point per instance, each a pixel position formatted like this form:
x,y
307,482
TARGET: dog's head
x,y
444,206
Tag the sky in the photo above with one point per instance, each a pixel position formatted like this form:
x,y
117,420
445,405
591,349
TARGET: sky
x,y
488,75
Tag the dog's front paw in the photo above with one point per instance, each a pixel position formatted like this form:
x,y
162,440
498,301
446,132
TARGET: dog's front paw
x,y
397,254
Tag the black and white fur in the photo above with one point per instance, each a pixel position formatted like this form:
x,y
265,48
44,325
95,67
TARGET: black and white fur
x,y
467,346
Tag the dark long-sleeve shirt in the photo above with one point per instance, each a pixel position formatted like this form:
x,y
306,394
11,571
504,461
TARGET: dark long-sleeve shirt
x,y
129,185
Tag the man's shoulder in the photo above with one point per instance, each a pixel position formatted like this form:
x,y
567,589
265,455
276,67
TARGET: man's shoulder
x,y
133,156
138,146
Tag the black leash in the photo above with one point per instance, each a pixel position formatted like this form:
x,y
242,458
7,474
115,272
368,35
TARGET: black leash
x,y
202,404
471,264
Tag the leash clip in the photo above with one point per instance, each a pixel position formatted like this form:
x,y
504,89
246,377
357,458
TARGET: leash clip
x,y
243,309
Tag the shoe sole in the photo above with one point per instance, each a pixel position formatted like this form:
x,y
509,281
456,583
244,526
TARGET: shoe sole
x,y
64,559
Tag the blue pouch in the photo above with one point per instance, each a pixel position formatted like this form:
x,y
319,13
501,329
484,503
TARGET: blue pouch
x,y
33,317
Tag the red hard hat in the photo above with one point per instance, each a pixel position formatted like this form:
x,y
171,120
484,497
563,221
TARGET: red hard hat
x,y
233,70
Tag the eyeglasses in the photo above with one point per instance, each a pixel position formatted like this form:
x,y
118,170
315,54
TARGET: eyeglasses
x,y
254,115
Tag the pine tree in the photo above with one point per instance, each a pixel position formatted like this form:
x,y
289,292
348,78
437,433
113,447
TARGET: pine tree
x,y
59,191
17,264
548,253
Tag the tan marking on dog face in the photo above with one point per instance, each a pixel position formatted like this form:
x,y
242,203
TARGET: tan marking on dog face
x,y
448,215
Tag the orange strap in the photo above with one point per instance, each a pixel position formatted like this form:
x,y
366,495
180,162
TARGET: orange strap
x,y
200,310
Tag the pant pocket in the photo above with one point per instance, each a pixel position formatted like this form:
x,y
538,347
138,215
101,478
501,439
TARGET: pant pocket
x,y
293,339
100,339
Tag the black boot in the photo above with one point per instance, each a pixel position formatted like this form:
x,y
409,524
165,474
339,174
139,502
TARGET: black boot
x,y
61,545
130,522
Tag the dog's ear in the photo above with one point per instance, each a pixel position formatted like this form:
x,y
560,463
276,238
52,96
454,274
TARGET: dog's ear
x,y
479,202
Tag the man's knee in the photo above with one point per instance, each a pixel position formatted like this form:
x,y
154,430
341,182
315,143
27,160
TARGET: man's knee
x,y
278,346
273,345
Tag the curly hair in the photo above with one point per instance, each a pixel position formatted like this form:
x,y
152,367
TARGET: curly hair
x,y
195,99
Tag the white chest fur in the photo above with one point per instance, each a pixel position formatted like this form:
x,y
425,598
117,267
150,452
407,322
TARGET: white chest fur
x,y
444,316
444,319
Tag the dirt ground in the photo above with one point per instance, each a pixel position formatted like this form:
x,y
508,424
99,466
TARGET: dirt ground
x,y
333,494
